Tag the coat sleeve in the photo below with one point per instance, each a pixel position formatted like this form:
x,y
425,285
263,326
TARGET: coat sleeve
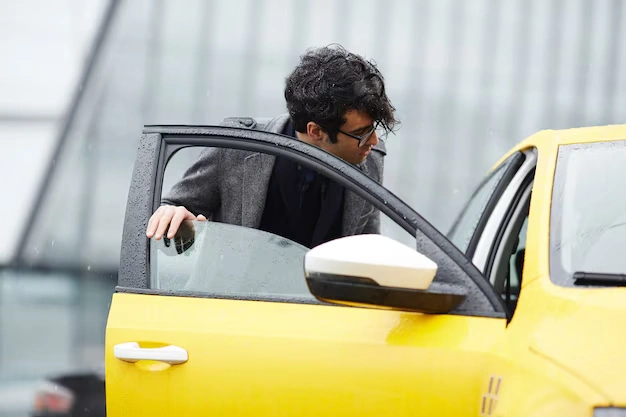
x,y
375,166
199,189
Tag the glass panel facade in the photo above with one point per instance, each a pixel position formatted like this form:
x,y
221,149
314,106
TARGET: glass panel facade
x,y
469,79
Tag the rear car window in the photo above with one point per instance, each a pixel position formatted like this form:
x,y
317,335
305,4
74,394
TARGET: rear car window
x,y
588,214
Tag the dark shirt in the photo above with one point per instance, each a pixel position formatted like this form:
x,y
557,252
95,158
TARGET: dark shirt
x,y
301,204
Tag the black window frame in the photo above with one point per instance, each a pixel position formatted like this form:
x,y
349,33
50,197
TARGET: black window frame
x,y
521,202
159,143
518,200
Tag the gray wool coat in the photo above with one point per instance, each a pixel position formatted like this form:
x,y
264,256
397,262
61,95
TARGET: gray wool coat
x,y
230,185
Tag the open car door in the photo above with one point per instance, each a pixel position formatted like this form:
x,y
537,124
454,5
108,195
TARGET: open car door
x,y
225,321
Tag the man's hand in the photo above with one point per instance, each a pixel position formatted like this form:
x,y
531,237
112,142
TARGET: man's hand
x,y
169,216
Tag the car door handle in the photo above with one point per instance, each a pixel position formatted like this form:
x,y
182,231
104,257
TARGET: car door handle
x,y
131,352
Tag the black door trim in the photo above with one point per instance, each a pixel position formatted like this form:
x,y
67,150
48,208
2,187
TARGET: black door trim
x,y
159,142
516,162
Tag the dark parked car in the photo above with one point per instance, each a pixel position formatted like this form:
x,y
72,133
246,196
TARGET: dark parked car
x,y
71,395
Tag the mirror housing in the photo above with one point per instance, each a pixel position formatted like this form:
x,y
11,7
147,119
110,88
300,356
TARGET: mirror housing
x,y
377,272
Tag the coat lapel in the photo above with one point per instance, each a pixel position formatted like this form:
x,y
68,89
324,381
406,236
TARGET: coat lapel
x,y
328,212
257,170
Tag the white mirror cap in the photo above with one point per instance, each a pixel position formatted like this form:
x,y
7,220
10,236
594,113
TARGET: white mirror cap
x,y
388,262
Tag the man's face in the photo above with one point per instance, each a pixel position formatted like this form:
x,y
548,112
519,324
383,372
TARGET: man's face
x,y
357,123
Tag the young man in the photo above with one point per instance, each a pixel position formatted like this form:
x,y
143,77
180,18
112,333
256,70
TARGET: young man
x,y
336,101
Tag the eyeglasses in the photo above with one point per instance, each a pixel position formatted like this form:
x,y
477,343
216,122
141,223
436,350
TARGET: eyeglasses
x,y
364,137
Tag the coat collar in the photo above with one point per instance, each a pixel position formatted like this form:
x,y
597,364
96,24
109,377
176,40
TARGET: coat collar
x,y
258,171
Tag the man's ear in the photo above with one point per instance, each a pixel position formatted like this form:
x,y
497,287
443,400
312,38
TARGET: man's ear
x,y
315,132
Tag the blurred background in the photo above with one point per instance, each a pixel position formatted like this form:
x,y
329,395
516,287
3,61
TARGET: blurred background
x,y
79,79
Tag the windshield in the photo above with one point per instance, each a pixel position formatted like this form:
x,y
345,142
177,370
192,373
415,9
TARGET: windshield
x,y
588,232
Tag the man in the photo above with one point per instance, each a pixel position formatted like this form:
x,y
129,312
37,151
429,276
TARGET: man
x,y
336,101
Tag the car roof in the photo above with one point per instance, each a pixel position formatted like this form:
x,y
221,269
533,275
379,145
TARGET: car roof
x,y
550,138
581,135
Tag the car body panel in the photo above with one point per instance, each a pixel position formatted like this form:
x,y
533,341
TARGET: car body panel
x,y
541,365
574,329
527,384
557,355
547,142
268,358
577,329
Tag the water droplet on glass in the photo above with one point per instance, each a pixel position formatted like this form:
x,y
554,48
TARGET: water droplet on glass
x,y
88,267
52,243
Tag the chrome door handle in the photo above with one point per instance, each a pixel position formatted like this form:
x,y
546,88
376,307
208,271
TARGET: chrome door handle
x,y
131,352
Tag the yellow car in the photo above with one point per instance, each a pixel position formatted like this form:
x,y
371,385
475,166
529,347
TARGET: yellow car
x,y
517,311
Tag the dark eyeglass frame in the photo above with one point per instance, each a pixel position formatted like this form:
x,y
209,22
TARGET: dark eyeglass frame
x,y
364,137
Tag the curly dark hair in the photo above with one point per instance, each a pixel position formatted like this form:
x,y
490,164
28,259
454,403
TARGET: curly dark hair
x,y
331,81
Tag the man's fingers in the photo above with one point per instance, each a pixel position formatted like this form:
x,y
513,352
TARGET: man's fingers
x,y
154,222
168,219
180,215
164,222
201,218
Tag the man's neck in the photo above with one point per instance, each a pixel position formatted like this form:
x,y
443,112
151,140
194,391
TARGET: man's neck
x,y
304,137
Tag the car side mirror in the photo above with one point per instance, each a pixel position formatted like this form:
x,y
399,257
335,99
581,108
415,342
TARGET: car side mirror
x,y
377,272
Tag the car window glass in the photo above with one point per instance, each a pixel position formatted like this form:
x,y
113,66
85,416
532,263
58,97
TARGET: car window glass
x,y
464,227
588,211
229,259
242,250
